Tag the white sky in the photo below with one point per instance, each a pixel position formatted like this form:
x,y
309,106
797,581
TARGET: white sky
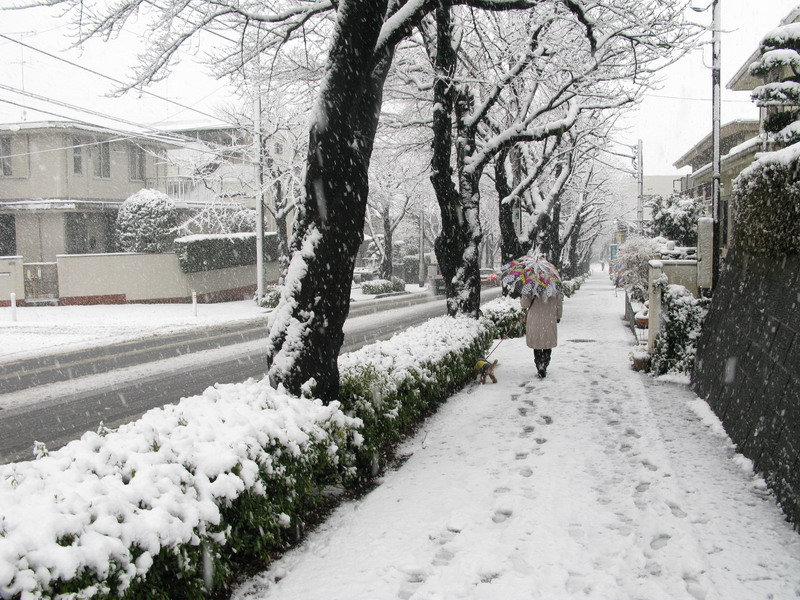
x,y
670,120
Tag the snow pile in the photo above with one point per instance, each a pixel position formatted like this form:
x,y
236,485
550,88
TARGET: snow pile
x,y
179,491
391,385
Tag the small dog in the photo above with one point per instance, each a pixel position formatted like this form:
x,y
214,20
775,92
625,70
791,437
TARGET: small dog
x,y
485,368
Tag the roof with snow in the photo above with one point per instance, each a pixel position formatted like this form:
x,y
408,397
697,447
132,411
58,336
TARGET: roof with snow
x,y
743,81
732,134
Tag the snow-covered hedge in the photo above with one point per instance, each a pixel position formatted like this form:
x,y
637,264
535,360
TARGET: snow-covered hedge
x,y
570,286
377,286
767,200
164,507
206,252
682,317
505,314
146,222
391,385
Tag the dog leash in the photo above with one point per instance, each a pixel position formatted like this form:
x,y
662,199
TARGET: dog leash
x,y
496,347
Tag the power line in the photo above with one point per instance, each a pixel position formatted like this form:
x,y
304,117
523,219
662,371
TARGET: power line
x,y
117,81
123,135
695,99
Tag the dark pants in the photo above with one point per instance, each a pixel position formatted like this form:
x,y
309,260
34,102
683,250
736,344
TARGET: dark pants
x,y
542,357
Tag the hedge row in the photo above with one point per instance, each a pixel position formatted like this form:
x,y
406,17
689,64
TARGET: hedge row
x,y
167,506
220,251
767,201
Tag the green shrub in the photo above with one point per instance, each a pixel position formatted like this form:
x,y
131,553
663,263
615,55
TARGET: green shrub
x,y
682,317
767,201
377,286
223,250
398,285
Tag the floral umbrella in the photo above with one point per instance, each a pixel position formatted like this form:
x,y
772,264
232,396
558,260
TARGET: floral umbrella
x,y
532,275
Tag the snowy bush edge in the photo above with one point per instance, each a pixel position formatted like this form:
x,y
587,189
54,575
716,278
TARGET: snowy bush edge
x,y
165,506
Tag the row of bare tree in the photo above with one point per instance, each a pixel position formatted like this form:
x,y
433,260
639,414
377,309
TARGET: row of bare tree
x,y
511,100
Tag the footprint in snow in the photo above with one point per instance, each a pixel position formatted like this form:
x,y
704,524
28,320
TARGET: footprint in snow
x,y
522,411
649,466
527,430
660,541
631,432
502,513
414,579
547,420
443,557
526,471
521,455
643,487
677,510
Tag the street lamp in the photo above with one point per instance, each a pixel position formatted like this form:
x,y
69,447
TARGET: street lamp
x,y
716,159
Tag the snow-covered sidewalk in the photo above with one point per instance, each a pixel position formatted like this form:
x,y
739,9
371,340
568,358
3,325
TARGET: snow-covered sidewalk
x,y
597,482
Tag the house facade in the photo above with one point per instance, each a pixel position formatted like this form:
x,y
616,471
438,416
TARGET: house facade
x,y
62,183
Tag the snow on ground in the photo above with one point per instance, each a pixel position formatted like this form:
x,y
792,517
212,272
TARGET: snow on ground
x,y
46,329
595,483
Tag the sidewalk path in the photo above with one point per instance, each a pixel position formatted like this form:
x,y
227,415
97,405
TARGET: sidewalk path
x,y
597,482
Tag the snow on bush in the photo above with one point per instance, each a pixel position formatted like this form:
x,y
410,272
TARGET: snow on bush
x,y
505,314
106,514
682,317
146,222
377,286
570,286
391,385
165,506
766,196
632,263
675,218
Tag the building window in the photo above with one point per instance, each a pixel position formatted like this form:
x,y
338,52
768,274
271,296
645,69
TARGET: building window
x,y
77,156
102,160
8,235
5,157
136,163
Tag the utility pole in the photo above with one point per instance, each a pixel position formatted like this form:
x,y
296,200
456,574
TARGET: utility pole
x,y
422,273
259,188
640,187
715,137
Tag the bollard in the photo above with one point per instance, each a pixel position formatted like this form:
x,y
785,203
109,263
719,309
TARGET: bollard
x,y
194,302
13,306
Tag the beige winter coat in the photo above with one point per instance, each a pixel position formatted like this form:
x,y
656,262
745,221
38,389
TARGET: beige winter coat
x,y
540,326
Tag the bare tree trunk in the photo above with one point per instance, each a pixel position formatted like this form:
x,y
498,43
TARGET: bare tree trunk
x,y
387,258
457,244
510,246
306,331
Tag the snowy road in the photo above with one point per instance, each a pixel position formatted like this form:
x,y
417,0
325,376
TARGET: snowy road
x,y
595,483
79,400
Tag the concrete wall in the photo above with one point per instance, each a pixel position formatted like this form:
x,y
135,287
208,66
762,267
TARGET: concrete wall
x,y
748,367
11,280
128,277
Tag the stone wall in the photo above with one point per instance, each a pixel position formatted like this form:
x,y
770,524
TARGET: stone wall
x,y
748,367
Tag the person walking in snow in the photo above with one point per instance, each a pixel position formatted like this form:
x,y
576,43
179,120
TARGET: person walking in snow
x,y
541,331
